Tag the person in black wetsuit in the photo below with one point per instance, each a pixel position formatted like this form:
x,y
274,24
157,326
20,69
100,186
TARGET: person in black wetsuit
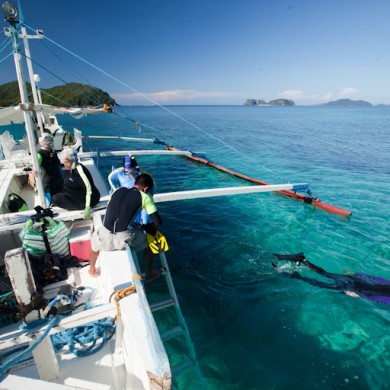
x,y
354,284
49,162
79,191
119,227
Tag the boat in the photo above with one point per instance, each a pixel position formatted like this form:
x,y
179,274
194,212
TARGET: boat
x,y
106,322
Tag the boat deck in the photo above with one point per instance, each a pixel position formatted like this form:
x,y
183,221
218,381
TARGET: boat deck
x,y
106,369
100,373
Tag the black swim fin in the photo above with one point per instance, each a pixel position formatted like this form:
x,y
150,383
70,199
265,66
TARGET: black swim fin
x,y
296,258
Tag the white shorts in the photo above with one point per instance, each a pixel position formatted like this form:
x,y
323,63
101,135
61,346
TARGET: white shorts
x,y
103,239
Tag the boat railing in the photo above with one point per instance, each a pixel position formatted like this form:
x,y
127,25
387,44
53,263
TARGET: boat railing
x,y
156,346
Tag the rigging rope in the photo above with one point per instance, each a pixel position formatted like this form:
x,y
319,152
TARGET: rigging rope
x,y
9,55
4,45
163,107
72,70
59,78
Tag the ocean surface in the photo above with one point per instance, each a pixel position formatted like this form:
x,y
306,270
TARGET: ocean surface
x,y
253,326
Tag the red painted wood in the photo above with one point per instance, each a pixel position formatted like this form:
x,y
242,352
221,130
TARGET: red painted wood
x,y
305,199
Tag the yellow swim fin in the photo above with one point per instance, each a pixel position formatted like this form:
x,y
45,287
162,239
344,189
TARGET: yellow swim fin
x,y
157,243
162,241
153,244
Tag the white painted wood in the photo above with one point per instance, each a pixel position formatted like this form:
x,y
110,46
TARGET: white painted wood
x,y
6,176
10,221
46,361
142,348
82,318
19,271
208,193
133,139
15,382
135,153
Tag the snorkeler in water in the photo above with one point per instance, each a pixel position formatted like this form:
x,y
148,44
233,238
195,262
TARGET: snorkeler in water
x,y
353,284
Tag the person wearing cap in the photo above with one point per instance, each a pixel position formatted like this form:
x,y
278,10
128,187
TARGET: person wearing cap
x,y
124,176
52,178
79,191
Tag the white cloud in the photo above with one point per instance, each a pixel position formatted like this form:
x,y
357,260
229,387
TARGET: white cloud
x,y
327,96
292,94
296,94
347,91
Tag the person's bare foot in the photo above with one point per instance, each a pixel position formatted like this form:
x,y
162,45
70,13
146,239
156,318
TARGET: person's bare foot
x,y
351,294
93,272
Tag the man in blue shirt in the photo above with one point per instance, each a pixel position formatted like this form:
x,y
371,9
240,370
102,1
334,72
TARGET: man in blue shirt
x,y
124,176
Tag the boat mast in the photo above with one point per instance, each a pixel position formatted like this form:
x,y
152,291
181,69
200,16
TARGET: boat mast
x,y
11,12
33,78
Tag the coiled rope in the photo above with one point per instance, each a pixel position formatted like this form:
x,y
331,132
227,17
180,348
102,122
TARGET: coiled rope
x,y
83,340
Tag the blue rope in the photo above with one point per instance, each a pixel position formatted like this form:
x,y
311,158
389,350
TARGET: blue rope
x,y
82,340
34,324
101,329
6,366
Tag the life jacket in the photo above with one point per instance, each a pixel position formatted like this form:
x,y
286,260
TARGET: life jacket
x,y
51,170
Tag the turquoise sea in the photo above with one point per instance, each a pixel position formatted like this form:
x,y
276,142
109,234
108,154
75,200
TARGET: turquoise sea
x,y
252,327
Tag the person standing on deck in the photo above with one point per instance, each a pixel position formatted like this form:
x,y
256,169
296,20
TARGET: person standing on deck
x,y
52,178
119,228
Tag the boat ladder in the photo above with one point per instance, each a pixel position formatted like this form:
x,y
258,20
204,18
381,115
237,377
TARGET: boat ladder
x,y
180,330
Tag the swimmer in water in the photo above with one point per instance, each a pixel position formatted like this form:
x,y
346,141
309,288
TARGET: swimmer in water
x,y
354,284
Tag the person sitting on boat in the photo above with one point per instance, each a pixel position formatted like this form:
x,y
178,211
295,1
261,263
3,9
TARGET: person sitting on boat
x,y
52,178
354,284
119,229
79,190
124,176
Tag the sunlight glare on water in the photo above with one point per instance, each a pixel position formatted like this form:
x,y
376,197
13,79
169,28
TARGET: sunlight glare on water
x,y
251,327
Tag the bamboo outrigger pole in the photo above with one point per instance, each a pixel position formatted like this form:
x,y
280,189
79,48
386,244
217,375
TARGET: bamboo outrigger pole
x,y
305,199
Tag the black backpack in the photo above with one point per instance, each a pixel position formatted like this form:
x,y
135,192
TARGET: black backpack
x,y
16,203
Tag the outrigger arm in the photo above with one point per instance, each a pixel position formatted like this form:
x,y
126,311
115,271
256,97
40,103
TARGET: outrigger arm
x,y
212,192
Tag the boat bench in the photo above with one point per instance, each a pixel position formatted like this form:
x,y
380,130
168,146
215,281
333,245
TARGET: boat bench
x,y
11,149
6,176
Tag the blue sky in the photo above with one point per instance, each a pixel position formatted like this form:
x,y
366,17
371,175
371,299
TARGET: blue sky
x,y
218,52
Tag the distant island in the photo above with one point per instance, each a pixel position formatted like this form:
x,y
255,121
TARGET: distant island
x,y
276,102
73,94
335,103
348,103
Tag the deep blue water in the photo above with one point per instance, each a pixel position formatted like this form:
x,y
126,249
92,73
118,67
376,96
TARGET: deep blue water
x,y
253,328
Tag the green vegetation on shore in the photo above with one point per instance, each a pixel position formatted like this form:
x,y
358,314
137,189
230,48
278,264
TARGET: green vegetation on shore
x,y
72,94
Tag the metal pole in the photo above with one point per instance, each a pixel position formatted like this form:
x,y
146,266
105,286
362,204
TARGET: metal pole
x,y
27,115
31,74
